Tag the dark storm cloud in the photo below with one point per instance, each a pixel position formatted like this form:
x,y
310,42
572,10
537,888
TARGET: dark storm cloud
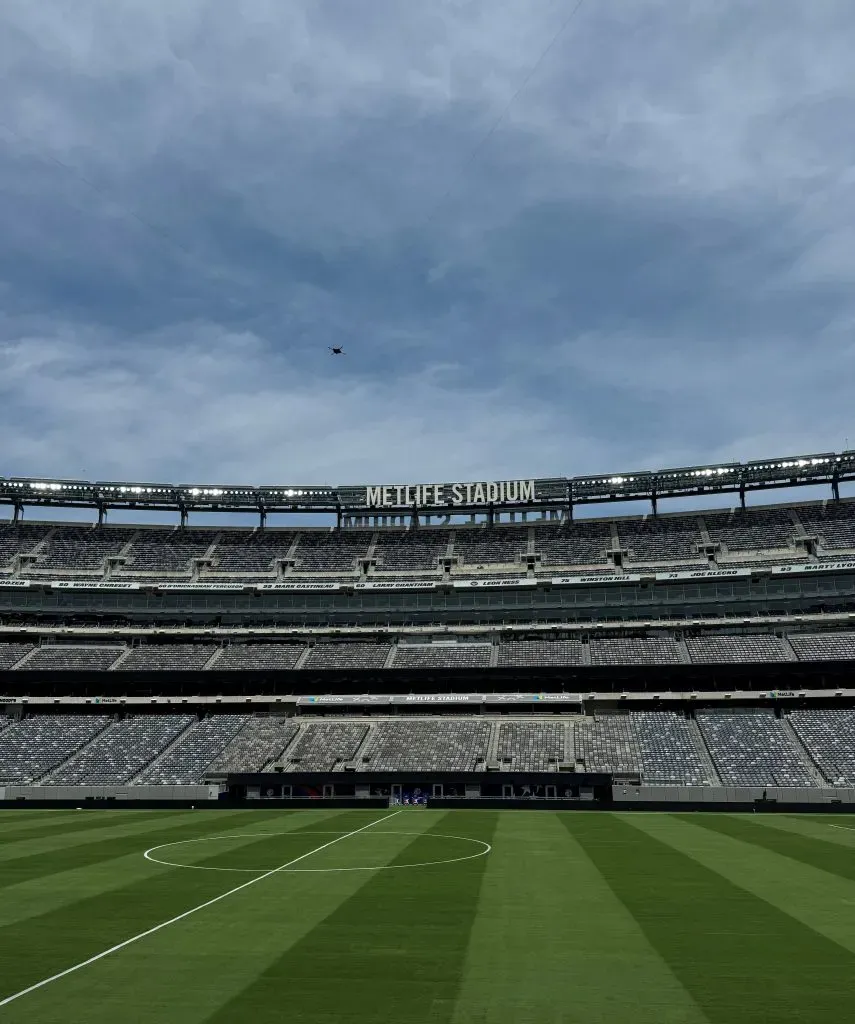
x,y
648,261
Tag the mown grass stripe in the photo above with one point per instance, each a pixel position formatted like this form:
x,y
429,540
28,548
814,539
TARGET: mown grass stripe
x,y
100,829
394,951
61,831
48,893
742,959
14,871
24,823
39,945
188,971
551,942
170,922
831,828
815,852
818,899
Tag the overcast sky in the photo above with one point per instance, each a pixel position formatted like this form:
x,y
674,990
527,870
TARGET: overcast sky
x,y
624,244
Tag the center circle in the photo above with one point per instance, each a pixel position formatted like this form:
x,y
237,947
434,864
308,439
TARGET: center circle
x,y
482,851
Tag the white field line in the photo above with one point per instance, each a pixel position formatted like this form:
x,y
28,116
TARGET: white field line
x,y
848,828
187,913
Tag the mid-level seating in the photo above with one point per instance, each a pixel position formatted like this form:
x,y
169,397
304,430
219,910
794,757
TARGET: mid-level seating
x,y
521,653
443,655
11,654
185,763
750,748
257,657
167,658
823,646
363,655
426,745
735,649
635,651
531,746
32,747
121,751
347,656
70,658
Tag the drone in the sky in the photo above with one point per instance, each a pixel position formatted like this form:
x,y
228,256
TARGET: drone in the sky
x,y
336,350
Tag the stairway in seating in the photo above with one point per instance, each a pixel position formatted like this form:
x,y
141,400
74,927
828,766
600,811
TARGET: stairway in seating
x,y
492,759
703,752
109,724
796,740
281,756
569,745
367,739
162,753
112,727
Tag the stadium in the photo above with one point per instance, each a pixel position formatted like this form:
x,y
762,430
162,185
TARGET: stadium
x,y
456,661
486,643
455,741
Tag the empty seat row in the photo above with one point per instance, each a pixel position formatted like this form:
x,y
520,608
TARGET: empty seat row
x,y
133,552
443,656
829,737
733,747
751,748
758,648
735,649
323,746
261,742
661,747
451,745
522,653
34,746
531,746
120,751
184,763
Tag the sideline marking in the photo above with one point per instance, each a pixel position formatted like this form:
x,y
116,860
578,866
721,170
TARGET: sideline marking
x,y
848,828
487,848
187,913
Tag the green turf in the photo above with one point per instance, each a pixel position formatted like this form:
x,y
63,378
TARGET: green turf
x,y
588,918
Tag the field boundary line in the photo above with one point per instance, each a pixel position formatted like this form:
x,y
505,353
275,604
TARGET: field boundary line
x,y
187,913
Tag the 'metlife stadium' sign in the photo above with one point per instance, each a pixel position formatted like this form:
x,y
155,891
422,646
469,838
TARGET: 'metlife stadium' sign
x,y
484,493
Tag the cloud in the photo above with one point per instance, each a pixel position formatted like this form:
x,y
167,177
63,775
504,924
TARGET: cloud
x,y
162,409
647,262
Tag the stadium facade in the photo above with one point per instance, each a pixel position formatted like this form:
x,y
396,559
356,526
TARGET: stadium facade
x,y
467,640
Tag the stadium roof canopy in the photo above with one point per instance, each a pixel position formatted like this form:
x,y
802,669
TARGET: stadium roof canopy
x,y
443,498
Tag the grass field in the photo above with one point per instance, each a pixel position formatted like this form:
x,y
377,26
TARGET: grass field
x,y
376,916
